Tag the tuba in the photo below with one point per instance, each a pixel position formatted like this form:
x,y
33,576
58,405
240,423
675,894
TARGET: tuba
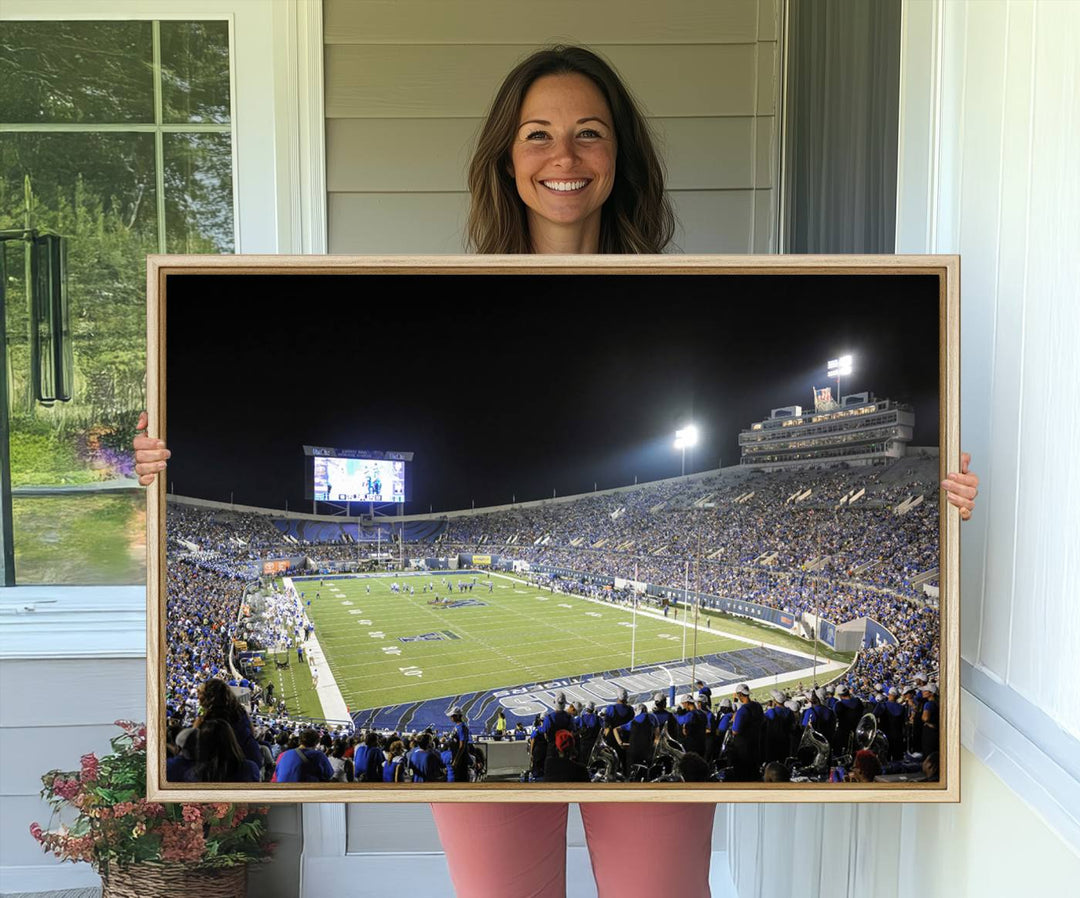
x,y
867,736
725,745
666,757
812,753
604,765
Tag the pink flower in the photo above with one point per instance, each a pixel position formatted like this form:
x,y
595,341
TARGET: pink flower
x,y
181,842
123,808
150,808
37,832
218,809
89,768
65,788
192,814
79,848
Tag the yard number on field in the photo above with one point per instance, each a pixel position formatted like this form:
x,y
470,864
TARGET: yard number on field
x,y
411,671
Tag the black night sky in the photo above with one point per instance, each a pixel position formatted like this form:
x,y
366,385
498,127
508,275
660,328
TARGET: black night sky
x,y
514,385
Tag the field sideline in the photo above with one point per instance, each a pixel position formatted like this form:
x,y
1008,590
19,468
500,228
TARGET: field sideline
x,y
387,648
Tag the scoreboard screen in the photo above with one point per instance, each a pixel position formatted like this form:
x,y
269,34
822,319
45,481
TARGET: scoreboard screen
x,y
358,480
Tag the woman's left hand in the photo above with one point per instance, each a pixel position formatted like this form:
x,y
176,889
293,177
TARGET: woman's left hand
x,y
150,454
962,487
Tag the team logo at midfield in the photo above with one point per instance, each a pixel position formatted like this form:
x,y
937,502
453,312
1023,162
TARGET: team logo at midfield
x,y
457,603
437,636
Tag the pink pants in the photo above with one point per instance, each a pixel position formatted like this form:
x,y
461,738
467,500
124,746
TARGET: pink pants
x,y
500,850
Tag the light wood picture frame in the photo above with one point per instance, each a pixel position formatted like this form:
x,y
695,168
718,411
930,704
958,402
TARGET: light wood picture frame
x,y
925,288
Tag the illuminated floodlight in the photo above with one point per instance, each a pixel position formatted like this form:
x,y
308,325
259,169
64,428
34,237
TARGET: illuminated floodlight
x,y
686,437
840,367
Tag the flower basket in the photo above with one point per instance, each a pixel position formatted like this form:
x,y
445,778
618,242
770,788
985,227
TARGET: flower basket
x,y
146,849
173,881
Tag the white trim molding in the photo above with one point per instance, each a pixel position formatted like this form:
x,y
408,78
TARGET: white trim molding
x,y
1047,781
64,622
298,101
919,110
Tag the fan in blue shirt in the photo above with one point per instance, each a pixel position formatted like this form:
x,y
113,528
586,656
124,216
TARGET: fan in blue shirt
x,y
426,764
305,764
368,760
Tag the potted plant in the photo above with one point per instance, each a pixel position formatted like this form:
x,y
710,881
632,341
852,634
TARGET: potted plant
x,y
143,848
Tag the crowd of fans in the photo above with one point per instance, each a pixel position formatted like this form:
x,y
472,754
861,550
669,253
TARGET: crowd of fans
x,y
223,743
202,606
733,519
825,733
732,739
211,607
215,530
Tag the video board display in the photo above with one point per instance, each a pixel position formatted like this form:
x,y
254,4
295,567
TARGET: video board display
x,y
359,480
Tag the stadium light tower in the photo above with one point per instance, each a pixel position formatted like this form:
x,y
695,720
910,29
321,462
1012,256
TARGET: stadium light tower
x,y
838,368
686,439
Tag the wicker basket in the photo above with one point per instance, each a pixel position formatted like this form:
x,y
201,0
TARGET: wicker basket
x,y
174,881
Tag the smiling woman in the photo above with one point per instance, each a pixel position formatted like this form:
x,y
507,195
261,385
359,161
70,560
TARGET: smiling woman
x,y
563,162
560,118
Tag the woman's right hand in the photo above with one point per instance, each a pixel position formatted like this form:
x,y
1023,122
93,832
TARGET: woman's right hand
x,y
150,453
961,487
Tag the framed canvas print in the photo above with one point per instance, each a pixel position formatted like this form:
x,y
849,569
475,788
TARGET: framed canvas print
x,y
543,528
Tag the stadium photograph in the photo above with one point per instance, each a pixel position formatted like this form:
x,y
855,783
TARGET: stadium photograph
x,y
542,528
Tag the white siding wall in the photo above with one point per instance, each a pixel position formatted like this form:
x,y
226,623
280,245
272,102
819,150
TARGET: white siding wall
x,y
408,83
1010,204
990,171
989,143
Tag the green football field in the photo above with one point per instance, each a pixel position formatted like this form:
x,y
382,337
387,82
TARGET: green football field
x,y
519,635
